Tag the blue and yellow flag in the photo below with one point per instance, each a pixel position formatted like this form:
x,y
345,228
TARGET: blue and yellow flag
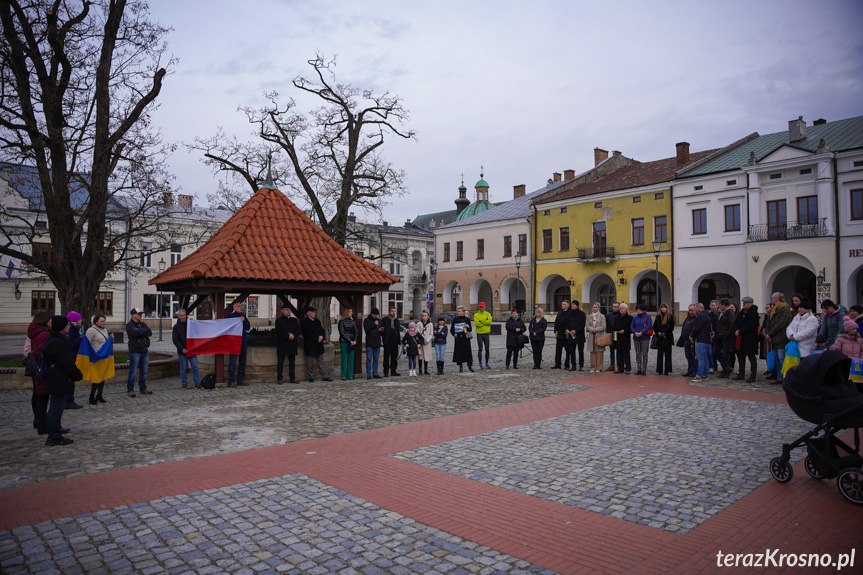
x,y
97,366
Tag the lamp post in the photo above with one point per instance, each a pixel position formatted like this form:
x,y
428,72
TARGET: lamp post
x,y
434,288
657,249
161,303
518,279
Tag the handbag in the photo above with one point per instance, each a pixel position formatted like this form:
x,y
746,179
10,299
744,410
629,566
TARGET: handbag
x,y
654,342
30,365
737,342
604,340
523,339
771,361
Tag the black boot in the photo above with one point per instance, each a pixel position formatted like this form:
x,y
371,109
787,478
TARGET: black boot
x,y
426,368
93,393
99,393
440,368
470,367
461,368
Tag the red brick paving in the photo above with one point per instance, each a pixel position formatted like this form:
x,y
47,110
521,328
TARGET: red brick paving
x,y
799,517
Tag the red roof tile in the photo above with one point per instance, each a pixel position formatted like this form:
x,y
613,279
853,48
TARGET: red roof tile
x,y
270,239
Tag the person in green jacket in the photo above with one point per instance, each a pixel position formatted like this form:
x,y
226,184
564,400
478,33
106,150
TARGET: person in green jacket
x,y
780,319
482,321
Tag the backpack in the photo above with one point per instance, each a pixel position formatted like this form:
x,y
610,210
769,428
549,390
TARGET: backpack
x,y
30,365
209,381
43,369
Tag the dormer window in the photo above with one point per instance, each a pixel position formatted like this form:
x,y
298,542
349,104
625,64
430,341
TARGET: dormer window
x,y
731,182
805,171
776,176
698,188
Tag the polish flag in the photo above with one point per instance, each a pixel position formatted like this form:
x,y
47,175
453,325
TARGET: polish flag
x,y
209,336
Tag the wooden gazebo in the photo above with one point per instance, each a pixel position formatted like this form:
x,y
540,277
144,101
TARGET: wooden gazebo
x,y
269,246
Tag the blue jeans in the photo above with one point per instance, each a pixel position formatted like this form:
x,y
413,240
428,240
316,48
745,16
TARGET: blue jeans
x,y
192,361
440,351
373,355
137,361
780,359
56,404
702,352
232,367
691,361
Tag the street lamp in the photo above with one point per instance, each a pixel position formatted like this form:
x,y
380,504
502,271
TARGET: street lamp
x,y
657,249
434,287
518,279
161,303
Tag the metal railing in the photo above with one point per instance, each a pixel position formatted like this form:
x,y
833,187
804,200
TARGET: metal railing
x,y
419,279
596,253
788,230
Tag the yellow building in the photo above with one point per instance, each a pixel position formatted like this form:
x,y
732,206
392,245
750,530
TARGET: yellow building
x,y
596,242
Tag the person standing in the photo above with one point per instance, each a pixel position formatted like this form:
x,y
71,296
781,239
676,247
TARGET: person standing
x,y
699,335
663,330
287,332
426,329
642,329
623,329
515,328
98,336
780,319
610,317
232,365
832,318
461,328
855,312
482,325
347,343
38,333
313,344
62,377
413,342
561,326
746,329
595,328
577,323
714,323
139,358
440,332
723,339
374,331
685,342
392,337
763,344
178,336
536,329
75,336
803,328
849,341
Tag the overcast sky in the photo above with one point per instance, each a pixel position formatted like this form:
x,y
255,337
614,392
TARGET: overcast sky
x,y
522,88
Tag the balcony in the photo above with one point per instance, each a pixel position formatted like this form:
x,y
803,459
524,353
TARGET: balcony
x,y
596,253
788,231
421,279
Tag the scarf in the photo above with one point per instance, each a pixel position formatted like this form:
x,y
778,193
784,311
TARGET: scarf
x,y
776,307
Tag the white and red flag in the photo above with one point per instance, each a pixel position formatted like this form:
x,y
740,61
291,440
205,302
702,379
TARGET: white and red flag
x,y
210,336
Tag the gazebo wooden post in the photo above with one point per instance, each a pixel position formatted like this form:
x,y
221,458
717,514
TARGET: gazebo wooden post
x,y
358,316
219,311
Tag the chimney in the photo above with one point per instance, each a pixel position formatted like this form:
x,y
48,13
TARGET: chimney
x,y
599,156
352,218
184,200
168,199
819,122
682,153
556,176
568,175
796,130
408,224
518,191
431,225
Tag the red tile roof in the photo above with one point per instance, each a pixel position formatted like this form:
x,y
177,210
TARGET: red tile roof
x,y
270,239
634,176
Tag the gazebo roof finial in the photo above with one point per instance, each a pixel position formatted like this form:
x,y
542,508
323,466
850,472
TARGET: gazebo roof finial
x,y
268,183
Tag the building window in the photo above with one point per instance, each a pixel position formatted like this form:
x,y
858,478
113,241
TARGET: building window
x,y
396,268
636,199
146,256
730,182
776,220
660,229
699,221
638,231
396,300
805,171
732,218
857,204
42,300
858,163
251,306
659,195
105,303
599,239
42,251
563,210
360,254
597,205
522,244
176,254
480,249
698,188
459,251
446,252
507,246
546,213
807,210
777,176
564,239
546,241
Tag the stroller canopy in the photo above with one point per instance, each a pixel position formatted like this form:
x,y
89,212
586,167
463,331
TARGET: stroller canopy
x,y
819,388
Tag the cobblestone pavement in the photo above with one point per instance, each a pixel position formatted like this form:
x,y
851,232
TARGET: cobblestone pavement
x,y
290,524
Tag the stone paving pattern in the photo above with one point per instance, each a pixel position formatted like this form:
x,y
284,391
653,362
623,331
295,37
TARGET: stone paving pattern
x,y
662,460
291,524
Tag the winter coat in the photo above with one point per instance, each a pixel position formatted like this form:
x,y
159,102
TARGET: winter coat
x,y
747,324
624,340
285,327
664,332
561,324
595,328
312,330
725,325
701,327
347,330
178,335
686,330
461,348
246,325
139,336
641,323
440,333
536,328
373,332
392,331
413,343
74,339
482,322
64,373
427,331
804,328
831,324
577,322
38,336
780,319
98,337
852,347
513,324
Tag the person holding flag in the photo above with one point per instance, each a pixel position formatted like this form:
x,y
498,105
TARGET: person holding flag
x,y
178,336
96,358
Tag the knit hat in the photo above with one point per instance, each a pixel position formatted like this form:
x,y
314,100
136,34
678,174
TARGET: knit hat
x,y
412,325
849,324
376,311
73,316
805,304
58,323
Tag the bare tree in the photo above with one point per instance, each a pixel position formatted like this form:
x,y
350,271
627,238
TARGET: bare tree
x,y
78,83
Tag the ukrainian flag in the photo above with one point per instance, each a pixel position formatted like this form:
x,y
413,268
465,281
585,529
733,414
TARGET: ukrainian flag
x,y
97,366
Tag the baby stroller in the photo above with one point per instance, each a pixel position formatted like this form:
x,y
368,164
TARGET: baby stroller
x,y
819,391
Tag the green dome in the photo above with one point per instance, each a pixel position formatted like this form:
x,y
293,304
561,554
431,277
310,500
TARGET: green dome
x,y
475,208
481,184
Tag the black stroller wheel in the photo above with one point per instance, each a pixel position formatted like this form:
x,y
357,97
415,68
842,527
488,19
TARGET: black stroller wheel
x,y
781,470
811,470
850,484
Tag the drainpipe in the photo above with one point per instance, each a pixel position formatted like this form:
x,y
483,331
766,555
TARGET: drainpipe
x,y
671,247
836,231
535,226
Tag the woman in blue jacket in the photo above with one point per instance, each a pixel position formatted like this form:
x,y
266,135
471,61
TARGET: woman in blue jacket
x,y
642,329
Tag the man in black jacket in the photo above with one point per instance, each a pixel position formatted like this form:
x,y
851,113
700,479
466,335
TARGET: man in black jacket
x,y
139,358
373,330
178,336
233,369
699,335
610,317
61,379
392,337
577,321
287,332
313,344
723,339
561,327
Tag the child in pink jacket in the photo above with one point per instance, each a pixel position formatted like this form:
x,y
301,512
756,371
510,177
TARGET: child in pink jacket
x,y
849,341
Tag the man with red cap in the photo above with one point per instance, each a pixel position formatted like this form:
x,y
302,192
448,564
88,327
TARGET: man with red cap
x,y
482,322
